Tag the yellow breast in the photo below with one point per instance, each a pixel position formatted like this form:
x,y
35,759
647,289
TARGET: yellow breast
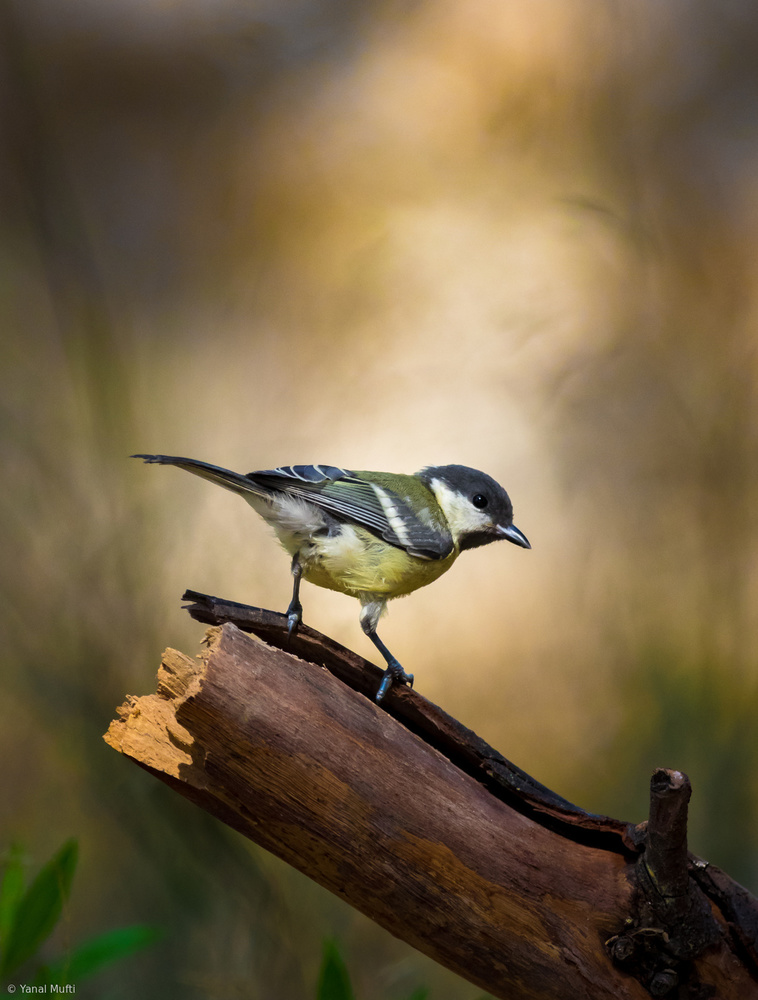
x,y
355,562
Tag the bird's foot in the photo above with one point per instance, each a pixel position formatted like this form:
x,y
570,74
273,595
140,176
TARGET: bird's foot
x,y
294,617
394,674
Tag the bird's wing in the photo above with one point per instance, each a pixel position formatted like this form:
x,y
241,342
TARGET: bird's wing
x,y
359,501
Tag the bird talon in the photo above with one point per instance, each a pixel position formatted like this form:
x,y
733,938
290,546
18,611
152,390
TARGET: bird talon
x,y
384,686
294,618
394,674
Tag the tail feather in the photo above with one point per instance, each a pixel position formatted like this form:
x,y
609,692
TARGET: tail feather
x,y
233,481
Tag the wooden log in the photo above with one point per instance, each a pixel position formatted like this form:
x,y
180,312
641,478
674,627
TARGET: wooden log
x,y
471,753
287,754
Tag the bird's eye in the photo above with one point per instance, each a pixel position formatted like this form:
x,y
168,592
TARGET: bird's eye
x,y
479,500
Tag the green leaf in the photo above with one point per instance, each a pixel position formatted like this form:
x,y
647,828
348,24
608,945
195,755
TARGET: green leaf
x,y
333,978
422,993
11,889
39,909
98,952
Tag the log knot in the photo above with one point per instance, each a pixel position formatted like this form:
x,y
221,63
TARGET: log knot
x,y
671,922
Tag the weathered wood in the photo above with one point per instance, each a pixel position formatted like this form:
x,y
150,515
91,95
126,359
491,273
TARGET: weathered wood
x,y
471,753
666,841
284,752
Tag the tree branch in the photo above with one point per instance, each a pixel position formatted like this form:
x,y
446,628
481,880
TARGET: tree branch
x,y
412,819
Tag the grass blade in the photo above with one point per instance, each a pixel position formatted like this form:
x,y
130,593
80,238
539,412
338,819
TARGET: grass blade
x,y
98,952
37,912
333,979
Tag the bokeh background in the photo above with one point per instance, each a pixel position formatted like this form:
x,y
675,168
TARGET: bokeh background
x,y
379,234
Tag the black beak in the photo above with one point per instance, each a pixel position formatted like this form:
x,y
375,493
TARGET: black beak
x,y
512,533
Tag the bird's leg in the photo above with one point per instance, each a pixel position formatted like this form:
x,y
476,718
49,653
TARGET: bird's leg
x,y
394,674
295,610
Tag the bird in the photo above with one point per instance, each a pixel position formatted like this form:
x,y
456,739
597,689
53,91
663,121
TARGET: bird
x,y
371,535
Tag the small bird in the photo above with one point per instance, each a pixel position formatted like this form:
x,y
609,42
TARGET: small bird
x,y
371,535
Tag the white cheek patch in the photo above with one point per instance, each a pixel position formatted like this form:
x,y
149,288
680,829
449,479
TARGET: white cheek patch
x,y
461,514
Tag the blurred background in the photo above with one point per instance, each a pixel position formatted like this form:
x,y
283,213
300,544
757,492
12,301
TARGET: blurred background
x,y
381,235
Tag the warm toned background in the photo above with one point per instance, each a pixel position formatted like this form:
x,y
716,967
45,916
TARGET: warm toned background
x,y
519,236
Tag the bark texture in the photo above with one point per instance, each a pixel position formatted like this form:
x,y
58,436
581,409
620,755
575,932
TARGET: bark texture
x,y
516,895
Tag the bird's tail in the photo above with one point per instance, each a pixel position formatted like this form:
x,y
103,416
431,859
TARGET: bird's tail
x,y
223,477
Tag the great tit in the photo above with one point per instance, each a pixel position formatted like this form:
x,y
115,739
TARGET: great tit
x,y
372,535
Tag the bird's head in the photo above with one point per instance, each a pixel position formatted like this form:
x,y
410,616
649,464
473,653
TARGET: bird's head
x,y
477,509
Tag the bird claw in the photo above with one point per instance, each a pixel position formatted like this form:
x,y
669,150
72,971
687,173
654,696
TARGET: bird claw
x,y
294,618
394,674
